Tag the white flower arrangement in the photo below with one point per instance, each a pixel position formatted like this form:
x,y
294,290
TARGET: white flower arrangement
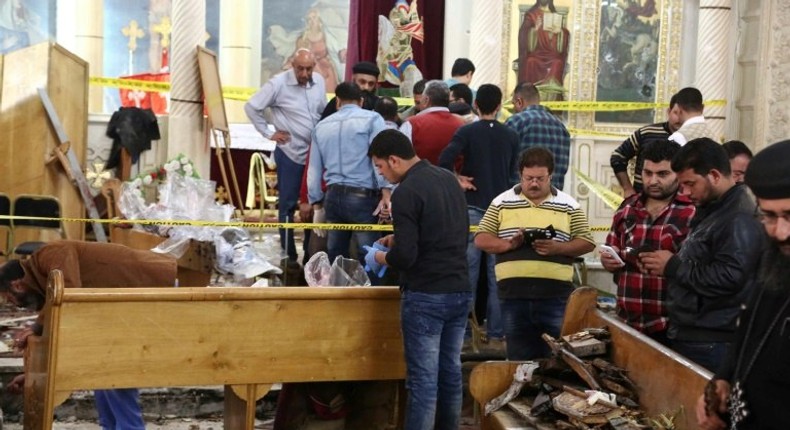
x,y
141,185
180,164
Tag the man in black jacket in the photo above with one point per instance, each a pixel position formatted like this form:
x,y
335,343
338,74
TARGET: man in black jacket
x,y
429,249
754,382
710,278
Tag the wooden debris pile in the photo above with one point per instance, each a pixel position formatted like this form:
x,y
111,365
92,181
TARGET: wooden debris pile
x,y
12,320
575,388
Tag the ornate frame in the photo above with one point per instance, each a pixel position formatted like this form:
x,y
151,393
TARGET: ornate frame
x,y
581,79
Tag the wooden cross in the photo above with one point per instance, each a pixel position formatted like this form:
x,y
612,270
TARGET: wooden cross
x,y
133,32
164,28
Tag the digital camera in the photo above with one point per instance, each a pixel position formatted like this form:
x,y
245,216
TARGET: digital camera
x,y
533,234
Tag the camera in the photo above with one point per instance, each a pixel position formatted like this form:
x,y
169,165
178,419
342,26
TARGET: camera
x,y
533,234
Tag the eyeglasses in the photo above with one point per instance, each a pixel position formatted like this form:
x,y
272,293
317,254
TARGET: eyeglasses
x,y
769,218
537,179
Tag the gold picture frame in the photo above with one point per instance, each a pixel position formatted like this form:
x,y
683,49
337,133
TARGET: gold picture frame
x,y
581,70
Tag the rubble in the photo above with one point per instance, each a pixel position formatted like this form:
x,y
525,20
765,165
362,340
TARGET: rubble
x,y
576,388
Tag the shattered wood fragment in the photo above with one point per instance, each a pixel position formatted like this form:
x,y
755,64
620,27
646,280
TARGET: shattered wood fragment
x,y
522,376
584,346
523,409
616,388
577,408
622,423
585,370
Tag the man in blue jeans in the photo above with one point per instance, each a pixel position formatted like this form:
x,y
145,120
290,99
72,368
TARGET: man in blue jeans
x,y
490,153
536,231
295,99
355,193
428,247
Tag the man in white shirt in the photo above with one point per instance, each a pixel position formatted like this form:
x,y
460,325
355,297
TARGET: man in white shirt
x,y
688,107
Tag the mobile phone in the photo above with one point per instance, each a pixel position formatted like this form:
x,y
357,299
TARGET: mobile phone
x,y
609,250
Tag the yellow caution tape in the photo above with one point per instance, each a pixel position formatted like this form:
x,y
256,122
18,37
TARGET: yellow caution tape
x,y
244,93
131,84
258,225
612,199
581,132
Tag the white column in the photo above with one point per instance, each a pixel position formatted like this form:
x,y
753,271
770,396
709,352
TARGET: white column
x,y
81,31
485,44
186,126
715,55
457,19
772,115
240,26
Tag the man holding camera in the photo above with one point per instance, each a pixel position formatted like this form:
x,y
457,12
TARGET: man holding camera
x,y
535,231
655,218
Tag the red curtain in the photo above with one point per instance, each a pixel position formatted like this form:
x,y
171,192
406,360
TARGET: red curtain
x,y
363,33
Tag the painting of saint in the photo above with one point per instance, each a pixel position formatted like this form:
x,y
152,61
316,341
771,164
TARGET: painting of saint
x,y
395,57
543,41
628,57
321,27
25,23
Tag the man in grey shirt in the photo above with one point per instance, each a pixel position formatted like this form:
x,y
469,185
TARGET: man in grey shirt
x,y
295,99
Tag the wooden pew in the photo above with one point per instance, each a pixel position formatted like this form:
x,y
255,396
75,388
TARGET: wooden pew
x,y
243,338
665,379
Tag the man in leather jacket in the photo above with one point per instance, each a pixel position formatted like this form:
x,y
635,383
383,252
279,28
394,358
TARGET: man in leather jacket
x,y
712,274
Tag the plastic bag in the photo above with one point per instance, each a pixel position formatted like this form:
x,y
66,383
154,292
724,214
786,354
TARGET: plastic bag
x,y
347,272
316,271
343,272
236,255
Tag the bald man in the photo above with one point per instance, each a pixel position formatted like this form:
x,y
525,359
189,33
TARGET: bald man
x,y
296,99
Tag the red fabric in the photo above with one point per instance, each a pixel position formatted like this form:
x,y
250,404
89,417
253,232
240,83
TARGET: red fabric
x,y
364,23
155,101
641,298
303,190
431,133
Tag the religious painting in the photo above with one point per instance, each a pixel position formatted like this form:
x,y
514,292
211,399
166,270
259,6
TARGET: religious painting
x,y
539,44
628,57
395,56
137,37
318,25
25,22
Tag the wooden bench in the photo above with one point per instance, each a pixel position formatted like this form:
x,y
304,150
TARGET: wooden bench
x,y
243,338
666,380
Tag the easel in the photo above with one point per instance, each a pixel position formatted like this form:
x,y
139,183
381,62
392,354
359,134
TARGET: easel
x,y
218,122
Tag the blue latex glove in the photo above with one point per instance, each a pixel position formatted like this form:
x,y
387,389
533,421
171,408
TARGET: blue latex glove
x,y
370,259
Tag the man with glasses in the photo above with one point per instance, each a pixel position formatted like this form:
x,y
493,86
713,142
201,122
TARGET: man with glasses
x,y
536,231
711,277
755,378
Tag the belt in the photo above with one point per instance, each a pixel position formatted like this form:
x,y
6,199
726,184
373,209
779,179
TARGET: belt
x,y
345,189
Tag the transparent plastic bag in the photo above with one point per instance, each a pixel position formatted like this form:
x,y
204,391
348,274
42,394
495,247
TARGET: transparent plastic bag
x,y
347,272
316,271
343,272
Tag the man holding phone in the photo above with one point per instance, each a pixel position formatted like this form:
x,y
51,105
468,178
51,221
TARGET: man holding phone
x,y
657,218
536,231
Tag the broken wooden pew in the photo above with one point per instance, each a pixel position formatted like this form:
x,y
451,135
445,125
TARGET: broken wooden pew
x,y
243,338
666,381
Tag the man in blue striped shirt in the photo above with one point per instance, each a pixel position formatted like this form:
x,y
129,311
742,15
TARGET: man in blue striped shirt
x,y
536,126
